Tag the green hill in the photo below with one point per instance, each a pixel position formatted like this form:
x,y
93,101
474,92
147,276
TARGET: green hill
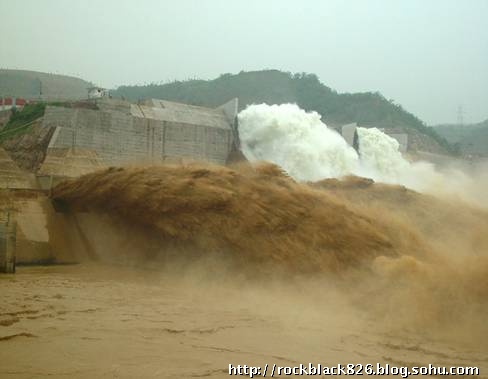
x,y
275,87
470,139
28,84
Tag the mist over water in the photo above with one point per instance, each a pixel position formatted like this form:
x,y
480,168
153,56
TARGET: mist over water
x,y
405,259
308,150
297,141
246,262
397,269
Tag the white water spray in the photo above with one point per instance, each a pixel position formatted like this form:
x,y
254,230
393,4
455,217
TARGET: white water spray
x,y
380,157
297,141
308,150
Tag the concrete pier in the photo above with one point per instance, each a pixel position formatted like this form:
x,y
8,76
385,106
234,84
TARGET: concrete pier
x,y
8,228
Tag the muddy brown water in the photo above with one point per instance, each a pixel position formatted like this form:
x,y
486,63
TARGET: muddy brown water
x,y
185,270
87,321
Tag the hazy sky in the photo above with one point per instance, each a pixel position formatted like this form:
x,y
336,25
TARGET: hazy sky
x,y
428,55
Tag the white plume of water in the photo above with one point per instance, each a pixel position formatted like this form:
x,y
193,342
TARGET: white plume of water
x,y
380,156
308,150
297,141
381,160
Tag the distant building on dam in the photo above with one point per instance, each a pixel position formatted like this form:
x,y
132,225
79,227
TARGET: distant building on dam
x,y
106,132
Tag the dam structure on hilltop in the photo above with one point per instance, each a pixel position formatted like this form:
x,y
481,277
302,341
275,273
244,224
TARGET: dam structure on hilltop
x,y
108,132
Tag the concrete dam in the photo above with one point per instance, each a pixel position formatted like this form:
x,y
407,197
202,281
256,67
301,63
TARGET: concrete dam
x,y
107,132
76,138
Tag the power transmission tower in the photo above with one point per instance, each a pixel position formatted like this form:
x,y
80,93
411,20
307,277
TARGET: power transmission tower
x,y
460,115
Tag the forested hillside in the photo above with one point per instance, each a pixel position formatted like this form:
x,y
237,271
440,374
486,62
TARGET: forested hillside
x,y
470,139
35,85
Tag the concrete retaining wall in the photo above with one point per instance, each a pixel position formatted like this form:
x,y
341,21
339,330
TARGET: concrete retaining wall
x,y
118,137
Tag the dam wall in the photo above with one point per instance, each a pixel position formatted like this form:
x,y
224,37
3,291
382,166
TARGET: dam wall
x,y
86,136
122,133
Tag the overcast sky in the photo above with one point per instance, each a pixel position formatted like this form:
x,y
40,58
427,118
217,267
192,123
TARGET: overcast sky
x,y
430,56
